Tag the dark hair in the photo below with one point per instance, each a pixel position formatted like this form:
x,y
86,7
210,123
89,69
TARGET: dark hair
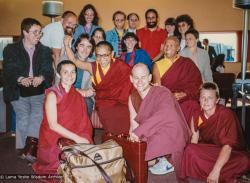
x,y
27,23
170,21
185,18
85,36
211,86
206,40
62,63
118,12
129,35
218,61
105,43
129,15
81,18
100,30
194,32
151,10
68,13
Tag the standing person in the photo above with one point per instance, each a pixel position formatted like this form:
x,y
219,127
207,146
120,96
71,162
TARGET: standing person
x,y
217,153
133,22
88,21
210,49
65,115
157,116
27,71
180,75
183,24
218,65
151,36
98,35
114,36
53,35
84,47
198,55
111,84
132,54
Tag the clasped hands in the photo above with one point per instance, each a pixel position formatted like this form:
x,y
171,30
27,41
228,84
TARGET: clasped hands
x,y
31,81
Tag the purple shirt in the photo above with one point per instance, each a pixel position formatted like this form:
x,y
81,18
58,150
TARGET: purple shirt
x,y
30,51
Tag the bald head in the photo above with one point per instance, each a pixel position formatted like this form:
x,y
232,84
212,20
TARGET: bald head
x,y
141,67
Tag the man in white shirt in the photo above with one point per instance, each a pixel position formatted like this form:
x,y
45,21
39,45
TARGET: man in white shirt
x,y
53,35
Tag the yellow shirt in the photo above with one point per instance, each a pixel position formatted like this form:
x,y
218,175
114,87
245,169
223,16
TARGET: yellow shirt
x,y
97,74
164,64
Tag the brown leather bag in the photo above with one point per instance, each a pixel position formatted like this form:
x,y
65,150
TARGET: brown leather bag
x,y
134,153
88,163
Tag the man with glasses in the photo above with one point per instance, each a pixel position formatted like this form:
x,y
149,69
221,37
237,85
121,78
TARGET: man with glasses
x,y
111,84
53,34
151,37
133,21
114,36
27,71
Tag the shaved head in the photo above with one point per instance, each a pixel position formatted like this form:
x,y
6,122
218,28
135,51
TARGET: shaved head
x,y
140,66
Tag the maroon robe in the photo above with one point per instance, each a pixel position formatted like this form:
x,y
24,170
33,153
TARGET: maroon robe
x,y
184,76
222,128
162,125
71,114
112,97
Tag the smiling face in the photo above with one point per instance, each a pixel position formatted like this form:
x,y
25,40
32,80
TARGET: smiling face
x,y
33,35
89,16
98,37
130,43
119,21
103,56
171,48
151,19
133,21
140,77
68,75
69,24
84,48
208,100
191,41
183,27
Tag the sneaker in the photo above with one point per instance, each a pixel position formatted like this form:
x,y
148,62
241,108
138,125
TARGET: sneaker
x,y
162,167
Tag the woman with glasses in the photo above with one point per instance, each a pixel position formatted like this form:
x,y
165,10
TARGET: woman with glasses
x,y
88,21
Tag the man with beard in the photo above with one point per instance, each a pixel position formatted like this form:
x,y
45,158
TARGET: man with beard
x,y
53,35
151,37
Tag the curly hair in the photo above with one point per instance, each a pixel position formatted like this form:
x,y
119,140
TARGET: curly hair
x,y
81,18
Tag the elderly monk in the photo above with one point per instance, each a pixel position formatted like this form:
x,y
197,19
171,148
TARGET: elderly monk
x,y
217,150
111,83
157,119
180,75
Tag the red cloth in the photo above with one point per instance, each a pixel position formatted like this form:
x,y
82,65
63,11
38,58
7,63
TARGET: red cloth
x,y
71,114
151,40
112,98
184,76
162,125
222,128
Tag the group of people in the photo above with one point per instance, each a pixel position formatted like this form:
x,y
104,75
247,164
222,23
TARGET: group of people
x,y
153,84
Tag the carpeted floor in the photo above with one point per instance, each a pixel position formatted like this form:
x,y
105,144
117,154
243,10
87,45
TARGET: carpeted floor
x,y
11,166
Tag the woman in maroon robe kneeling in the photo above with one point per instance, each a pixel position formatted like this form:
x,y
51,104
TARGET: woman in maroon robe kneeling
x,y
65,115
217,150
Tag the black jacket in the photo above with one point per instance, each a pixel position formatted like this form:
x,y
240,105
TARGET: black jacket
x,y
16,64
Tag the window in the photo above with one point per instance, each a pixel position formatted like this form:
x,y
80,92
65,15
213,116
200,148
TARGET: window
x,y
4,41
223,43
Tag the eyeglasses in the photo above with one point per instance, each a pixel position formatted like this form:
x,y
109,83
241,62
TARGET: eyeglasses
x,y
105,56
119,20
36,33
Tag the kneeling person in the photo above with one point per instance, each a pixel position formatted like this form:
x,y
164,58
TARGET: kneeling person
x,y
157,119
217,150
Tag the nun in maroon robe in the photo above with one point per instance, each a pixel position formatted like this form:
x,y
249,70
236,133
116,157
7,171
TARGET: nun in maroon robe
x,y
72,115
184,76
112,96
161,124
222,128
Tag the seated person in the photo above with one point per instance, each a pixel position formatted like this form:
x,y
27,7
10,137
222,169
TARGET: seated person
x,y
180,75
217,150
157,119
132,54
65,115
111,84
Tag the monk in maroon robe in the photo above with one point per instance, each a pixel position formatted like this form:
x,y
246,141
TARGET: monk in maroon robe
x,y
112,86
157,119
217,150
180,75
65,115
